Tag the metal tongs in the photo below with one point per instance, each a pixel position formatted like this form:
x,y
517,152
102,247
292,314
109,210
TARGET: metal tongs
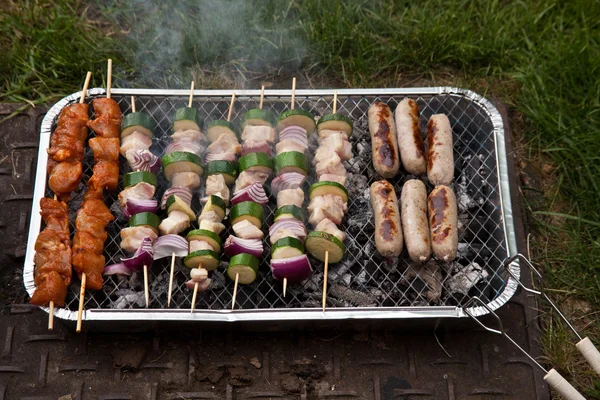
x,y
585,345
552,377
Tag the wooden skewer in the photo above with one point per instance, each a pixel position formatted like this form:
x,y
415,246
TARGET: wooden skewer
x,y
284,286
109,78
293,92
81,301
85,86
171,279
191,95
237,279
325,271
146,291
194,297
334,101
132,104
231,107
51,316
262,96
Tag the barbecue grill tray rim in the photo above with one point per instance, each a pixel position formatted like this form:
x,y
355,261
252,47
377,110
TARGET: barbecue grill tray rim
x,y
285,314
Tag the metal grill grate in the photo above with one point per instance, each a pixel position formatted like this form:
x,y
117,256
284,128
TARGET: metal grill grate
x,y
362,278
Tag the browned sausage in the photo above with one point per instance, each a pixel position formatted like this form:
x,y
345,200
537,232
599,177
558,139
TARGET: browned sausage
x,y
383,140
388,228
440,155
410,140
443,223
413,203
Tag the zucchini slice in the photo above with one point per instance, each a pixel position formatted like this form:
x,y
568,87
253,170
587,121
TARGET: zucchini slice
x,y
216,204
327,187
246,265
133,178
207,259
290,211
137,121
287,247
247,210
256,162
181,161
208,236
291,161
145,219
214,129
175,203
318,243
187,118
297,117
335,122
259,117
222,167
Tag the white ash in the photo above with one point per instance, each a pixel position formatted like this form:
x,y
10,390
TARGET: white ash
x,y
128,298
465,277
338,270
346,279
218,280
361,277
464,250
463,200
314,283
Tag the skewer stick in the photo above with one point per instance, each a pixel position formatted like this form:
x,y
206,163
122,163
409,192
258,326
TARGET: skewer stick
x,y
293,92
132,104
51,316
237,278
146,291
194,297
191,95
284,286
262,96
171,279
81,301
231,107
325,271
109,78
85,86
334,101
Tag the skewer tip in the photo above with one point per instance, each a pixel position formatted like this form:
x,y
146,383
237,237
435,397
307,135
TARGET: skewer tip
x,y
81,301
194,298
146,290
171,279
51,317
325,273
284,286
235,287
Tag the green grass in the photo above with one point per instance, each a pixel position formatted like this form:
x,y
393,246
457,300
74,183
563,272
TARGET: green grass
x,y
541,57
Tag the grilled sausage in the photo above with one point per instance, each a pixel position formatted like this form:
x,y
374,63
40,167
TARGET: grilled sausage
x,y
388,228
410,140
443,223
383,140
413,206
440,156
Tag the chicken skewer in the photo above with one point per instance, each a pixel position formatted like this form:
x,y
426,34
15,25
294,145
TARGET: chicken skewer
x,y
250,260
326,267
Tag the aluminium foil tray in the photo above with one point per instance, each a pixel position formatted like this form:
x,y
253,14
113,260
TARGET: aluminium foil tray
x,y
362,285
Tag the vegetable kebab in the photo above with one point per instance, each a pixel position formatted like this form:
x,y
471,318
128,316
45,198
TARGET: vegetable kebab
x,y
328,197
137,197
287,234
205,243
94,215
53,270
247,214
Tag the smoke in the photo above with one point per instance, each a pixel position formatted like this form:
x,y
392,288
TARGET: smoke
x,y
221,43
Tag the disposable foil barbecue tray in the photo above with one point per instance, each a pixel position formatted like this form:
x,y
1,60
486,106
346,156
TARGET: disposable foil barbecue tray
x,y
363,285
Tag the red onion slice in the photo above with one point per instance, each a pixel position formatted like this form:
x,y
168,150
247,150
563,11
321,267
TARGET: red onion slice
x,y
291,224
142,160
143,256
117,269
228,156
234,245
289,180
254,192
185,194
294,269
136,206
186,145
295,133
167,245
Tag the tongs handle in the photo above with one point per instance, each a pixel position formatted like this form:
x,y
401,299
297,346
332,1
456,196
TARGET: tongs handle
x,y
560,384
590,352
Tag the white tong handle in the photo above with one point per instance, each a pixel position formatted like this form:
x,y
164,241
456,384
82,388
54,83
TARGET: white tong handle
x,y
560,384
590,352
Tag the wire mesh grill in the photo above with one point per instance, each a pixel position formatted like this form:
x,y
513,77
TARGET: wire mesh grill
x,y
362,278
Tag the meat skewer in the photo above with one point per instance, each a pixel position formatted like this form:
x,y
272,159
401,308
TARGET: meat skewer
x,y
93,215
262,164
